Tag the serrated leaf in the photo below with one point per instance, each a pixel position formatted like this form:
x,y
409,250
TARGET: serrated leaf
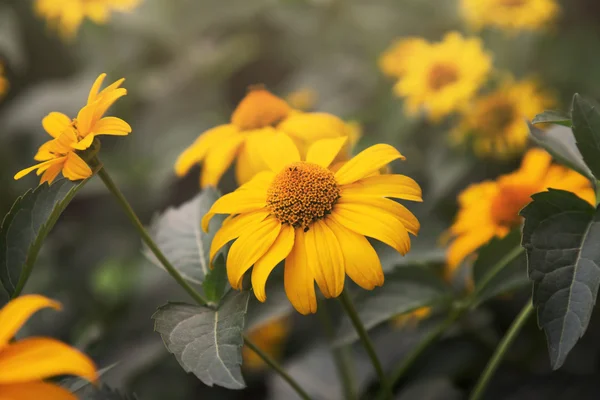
x,y
586,128
561,235
25,227
405,290
205,341
178,234
553,117
216,281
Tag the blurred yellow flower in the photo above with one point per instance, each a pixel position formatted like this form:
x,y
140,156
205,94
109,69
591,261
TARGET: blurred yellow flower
x,y
411,319
491,208
302,99
393,61
270,338
3,82
60,153
512,15
495,123
67,15
315,219
442,77
24,364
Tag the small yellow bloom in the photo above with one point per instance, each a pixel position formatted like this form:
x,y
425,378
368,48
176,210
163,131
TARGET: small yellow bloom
x,y
3,82
393,61
491,209
24,364
315,219
442,77
70,136
270,338
67,15
495,123
512,15
411,319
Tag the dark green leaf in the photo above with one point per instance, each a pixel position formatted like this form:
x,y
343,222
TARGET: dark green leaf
x,y
205,341
586,128
25,227
216,281
405,290
561,235
553,117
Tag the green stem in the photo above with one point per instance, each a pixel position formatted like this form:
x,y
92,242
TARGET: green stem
x,y
273,364
366,341
502,348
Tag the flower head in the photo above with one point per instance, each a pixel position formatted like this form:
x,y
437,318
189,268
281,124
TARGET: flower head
x,y
67,15
512,15
315,219
3,82
73,135
270,337
495,123
491,209
442,77
393,61
24,364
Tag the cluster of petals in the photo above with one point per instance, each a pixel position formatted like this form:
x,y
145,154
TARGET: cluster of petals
x,y
510,15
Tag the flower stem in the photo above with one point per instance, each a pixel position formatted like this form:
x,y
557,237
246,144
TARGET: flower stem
x,y
502,348
277,368
366,341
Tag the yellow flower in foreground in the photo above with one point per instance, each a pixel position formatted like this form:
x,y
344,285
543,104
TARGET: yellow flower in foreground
x,y
24,364
258,117
443,77
60,153
270,338
411,319
3,82
495,123
315,219
393,61
67,15
512,15
490,209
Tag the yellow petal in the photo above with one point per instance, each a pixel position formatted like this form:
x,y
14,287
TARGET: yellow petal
x,y
55,123
75,168
111,126
249,161
279,151
310,127
361,261
240,201
104,102
249,247
465,245
84,143
394,186
85,119
367,162
536,163
110,88
325,259
324,151
96,88
259,109
34,391
234,227
18,311
219,159
298,280
51,173
374,205
276,253
34,359
25,171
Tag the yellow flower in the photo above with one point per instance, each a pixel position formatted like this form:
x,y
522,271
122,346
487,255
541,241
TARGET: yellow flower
x,y
444,76
59,154
3,82
24,364
495,123
258,117
512,15
270,338
315,219
302,99
393,61
490,209
411,319
67,15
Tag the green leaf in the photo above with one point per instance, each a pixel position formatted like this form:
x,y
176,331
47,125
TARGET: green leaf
x,y
406,289
216,281
77,385
553,117
586,128
205,341
561,235
178,234
501,266
25,227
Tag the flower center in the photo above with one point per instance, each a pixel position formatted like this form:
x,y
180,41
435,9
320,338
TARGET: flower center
x,y
442,75
507,204
498,118
302,193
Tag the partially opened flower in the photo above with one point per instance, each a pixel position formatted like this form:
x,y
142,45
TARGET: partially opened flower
x,y
512,15
270,338
393,61
3,82
315,219
25,363
491,209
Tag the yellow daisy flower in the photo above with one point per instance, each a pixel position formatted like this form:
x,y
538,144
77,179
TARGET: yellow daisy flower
x,y
444,76
393,61
67,15
24,364
491,209
411,319
3,82
270,338
495,123
59,154
512,15
258,117
315,219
